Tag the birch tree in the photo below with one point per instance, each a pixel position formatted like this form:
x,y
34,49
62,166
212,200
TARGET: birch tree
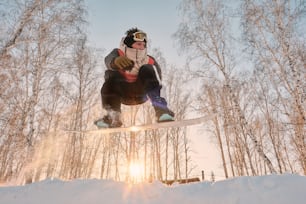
x,y
275,34
205,34
38,40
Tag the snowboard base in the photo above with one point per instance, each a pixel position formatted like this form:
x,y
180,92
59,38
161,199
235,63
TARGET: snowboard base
x,y
153,126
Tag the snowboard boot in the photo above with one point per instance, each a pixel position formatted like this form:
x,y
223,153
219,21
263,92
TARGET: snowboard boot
x,y
111,120
162,112
164,115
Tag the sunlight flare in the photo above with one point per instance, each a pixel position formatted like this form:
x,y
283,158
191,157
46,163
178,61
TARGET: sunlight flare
x,y
136,171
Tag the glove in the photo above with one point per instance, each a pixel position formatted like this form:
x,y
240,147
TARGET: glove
x,y
123,62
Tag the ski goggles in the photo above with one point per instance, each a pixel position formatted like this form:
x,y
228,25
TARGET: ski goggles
x,y
139,36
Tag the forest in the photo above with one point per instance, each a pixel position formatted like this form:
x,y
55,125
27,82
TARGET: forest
x,y
249,64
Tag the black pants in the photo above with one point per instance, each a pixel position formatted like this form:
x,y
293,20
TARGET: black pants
x,y
116,91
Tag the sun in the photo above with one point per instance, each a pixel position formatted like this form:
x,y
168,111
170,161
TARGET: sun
x,y
136,171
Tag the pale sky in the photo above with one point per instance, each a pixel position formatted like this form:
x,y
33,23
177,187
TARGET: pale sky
x,y
108,21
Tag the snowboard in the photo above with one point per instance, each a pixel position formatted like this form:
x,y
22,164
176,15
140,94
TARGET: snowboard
x,y
153,126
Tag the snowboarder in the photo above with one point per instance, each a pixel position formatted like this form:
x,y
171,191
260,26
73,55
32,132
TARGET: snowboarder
x,y
132,77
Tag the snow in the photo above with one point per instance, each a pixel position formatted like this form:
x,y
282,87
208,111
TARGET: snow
x,y
270,189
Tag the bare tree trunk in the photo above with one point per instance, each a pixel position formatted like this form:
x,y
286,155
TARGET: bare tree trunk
x,y
213,104
226,126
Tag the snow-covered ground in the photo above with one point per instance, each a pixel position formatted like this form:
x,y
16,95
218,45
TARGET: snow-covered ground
x,y
271,189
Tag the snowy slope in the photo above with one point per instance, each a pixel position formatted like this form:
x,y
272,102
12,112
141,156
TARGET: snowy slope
x,y
278,189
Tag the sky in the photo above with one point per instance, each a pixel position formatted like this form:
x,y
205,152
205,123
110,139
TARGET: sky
x,y
269,189
110,19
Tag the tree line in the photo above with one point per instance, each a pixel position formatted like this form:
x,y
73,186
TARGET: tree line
x,y
253,78
251,83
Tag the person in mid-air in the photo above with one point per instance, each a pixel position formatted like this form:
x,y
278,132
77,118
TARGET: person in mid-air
x,y
132,77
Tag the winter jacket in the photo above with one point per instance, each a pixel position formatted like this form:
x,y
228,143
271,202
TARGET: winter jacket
x,y
131,75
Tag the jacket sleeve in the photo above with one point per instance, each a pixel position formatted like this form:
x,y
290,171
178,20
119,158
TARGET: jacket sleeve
x,y
108,60
156,65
